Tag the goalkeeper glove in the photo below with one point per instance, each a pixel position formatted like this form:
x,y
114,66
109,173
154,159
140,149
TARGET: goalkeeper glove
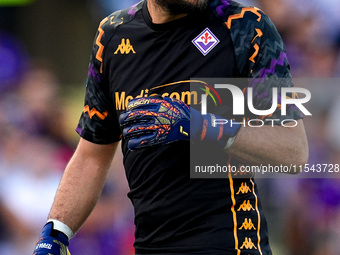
x,y
52,242
156,120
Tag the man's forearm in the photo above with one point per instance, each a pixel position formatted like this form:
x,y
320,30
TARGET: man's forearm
x,y
271,145
82,184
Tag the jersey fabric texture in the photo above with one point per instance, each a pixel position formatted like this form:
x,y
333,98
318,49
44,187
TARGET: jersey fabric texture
x,y
132,57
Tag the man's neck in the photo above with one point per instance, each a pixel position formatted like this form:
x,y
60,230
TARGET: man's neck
x,y
159,15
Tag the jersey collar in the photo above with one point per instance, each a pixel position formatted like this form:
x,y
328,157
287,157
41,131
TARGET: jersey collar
x,y
181,22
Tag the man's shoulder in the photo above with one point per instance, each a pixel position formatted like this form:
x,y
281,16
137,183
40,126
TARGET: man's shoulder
x,y
236,14
118,18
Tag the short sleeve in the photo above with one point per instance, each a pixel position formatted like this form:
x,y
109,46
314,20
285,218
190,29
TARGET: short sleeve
x,y
269,68
261,57
98,122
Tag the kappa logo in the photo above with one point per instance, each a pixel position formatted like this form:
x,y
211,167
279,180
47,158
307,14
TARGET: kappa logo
x,y
247,225
205,41
248,244
125,47
246,206
244,189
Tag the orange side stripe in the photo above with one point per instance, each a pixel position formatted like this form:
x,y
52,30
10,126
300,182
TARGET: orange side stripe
x,y
259,219
231,181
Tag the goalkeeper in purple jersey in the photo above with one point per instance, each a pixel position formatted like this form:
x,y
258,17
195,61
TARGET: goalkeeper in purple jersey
x,y
137,92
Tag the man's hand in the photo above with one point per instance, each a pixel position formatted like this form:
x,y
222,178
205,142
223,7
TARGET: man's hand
x,y
51,242
156,120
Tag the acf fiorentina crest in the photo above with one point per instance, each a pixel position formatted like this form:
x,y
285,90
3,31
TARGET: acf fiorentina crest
x,y
205,41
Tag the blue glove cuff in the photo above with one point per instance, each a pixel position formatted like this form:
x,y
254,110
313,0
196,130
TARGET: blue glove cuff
x,y
48,231
51,242
212,127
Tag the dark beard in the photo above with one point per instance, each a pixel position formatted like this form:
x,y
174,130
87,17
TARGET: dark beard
x,y
175,7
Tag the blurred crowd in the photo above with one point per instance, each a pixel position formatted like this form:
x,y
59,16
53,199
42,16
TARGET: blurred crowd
x,y
36,144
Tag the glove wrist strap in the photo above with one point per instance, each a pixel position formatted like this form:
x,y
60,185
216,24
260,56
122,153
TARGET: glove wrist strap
x,y
60,226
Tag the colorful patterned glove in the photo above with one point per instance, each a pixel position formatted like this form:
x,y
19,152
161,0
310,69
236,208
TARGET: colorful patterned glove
x,y
51,242
156,120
